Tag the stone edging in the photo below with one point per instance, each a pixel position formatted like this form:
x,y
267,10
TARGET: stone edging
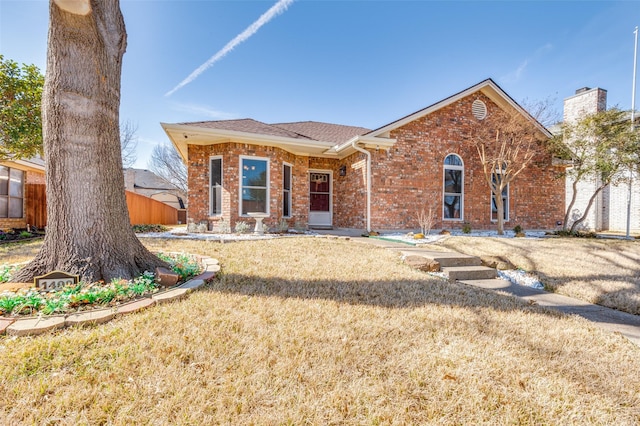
x,y
32,326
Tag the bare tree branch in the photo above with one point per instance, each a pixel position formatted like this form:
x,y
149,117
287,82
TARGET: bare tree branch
x,y
166,163
128,143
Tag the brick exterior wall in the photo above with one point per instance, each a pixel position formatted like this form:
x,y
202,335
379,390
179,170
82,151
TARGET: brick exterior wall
x,y
413,170
230,152
402,179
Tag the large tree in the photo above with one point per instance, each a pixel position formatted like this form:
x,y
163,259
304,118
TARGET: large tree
x,y
88,231
600,148
20,117
507,142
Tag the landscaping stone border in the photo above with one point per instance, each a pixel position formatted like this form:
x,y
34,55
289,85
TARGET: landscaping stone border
x,y
31,326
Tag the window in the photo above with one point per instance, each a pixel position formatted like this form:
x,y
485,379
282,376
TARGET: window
x,y
286,190
453,187
11,192
505,199
215,192
254,185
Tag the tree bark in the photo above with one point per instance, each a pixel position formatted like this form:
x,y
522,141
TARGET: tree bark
x,y
582,218
88,230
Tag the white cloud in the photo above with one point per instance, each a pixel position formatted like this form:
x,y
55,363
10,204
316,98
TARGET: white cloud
x,y
515,75
277,9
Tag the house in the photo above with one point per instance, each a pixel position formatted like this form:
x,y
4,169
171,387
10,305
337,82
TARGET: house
x,y
609,211
322,175
23,200
149,184
22,194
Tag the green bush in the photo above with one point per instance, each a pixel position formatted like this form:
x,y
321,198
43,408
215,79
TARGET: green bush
x,y
143,229
466,228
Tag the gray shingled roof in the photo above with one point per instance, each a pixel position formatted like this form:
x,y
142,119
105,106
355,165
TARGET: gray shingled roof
x,y
327,132
310,130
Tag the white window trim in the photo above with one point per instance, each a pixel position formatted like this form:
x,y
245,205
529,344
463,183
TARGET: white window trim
x,y
506,210
268,200
284,163
9,196
211,212
444,193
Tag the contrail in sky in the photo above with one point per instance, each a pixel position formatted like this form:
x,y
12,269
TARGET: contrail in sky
x,y
278,8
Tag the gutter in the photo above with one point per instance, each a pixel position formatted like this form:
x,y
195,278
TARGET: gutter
x,y
354,144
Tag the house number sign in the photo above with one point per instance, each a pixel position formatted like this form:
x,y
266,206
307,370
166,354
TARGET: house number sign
x,y
55,280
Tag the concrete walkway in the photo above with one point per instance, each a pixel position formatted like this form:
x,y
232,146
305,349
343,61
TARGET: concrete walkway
x,y
608,319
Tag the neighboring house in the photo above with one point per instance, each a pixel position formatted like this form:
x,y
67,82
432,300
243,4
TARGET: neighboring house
x,y
326,175
609,211
22,194
149,184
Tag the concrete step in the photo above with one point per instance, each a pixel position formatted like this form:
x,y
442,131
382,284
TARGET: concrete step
x,y
469,273
445,259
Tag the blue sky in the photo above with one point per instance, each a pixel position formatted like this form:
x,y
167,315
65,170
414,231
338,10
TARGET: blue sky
x,y
362,63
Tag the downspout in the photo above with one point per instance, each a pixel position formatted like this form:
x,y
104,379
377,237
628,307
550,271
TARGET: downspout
x,y
355,146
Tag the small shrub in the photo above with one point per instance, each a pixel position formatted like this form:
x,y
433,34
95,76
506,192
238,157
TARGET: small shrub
x,y
143,229
181,264
241,227
224,227
6,271
299,227
25,234
466,228
282,227
517,229
9,303
418,236
576,234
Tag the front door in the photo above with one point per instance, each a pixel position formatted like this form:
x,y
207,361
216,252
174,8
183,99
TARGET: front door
x,y
320,206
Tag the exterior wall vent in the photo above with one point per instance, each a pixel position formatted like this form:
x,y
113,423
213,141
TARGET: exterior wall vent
x,y
479,109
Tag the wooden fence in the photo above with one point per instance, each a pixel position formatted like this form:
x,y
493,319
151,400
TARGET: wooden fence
x,y
142,210
35,201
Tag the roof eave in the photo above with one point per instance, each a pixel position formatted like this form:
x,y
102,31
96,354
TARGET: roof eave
x,y
182,135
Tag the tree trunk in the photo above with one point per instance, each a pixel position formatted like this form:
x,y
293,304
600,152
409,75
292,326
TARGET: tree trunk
x,y
574,197
582,218
500,211
88,231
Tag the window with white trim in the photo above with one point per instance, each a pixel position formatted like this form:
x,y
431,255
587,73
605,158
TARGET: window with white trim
x,y
505,199
286,190
254,185
11,192
215,182
453,183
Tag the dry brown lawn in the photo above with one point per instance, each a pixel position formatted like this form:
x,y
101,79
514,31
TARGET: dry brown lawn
x,y
605,272
327,332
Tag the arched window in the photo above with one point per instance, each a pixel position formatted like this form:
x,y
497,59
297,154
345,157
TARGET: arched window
x,y
453,197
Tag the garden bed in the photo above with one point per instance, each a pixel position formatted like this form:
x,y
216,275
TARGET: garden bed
x,y
15,235
87,296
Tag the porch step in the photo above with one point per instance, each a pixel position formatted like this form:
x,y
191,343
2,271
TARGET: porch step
x,y
445,259
469,273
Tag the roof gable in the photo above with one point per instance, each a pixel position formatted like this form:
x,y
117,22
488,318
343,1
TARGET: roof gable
x,y
488,87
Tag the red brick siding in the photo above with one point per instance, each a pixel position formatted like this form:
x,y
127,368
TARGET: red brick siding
x,y
413,168
402,179
230,153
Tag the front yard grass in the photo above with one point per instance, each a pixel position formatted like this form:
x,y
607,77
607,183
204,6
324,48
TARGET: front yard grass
x,y
601,271
317,331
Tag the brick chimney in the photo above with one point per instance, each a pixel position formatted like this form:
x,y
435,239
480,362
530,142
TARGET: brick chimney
x,y
585,101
